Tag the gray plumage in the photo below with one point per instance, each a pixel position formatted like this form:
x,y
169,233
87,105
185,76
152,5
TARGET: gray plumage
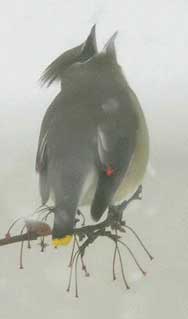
x,y
80,53
89,143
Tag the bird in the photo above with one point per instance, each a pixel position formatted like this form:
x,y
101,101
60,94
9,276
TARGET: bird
x,y
94,147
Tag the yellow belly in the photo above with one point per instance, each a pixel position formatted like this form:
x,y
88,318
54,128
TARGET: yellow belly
x,y
139,161
138,164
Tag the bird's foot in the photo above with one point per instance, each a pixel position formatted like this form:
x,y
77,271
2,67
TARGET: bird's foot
x,y
77,219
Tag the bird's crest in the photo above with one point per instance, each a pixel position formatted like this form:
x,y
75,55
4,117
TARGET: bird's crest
x,y
81,53
109,48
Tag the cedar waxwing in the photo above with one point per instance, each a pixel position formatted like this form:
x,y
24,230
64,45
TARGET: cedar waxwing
x,y
80,53
93,149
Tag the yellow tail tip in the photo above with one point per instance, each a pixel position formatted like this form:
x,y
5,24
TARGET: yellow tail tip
x,y
62,241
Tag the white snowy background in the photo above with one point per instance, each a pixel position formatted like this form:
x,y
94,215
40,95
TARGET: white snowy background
x,y
152,48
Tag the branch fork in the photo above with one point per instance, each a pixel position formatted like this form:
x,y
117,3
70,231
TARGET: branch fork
x,y
112,228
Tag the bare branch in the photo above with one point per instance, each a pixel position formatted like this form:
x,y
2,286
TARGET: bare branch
x,y
18,238
112,228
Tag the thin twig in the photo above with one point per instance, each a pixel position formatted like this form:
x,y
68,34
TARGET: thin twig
x,y
12,225
29,242
76,274
71,270
114,260
72,252
82,260
133,256
122,269
140,241
21,249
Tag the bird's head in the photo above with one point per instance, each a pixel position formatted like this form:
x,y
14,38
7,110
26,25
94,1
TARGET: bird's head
x,y
81,53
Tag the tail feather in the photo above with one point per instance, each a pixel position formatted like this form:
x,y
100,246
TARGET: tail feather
x,y
104,193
